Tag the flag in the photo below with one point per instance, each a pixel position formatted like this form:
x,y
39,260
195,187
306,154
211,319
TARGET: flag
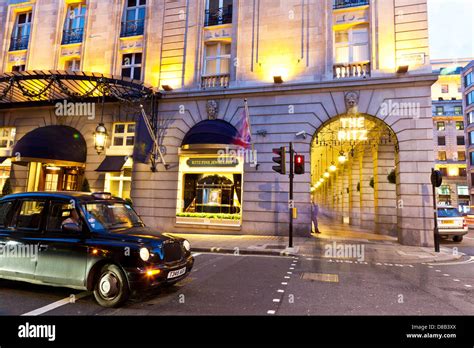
x,y
144,141
244,139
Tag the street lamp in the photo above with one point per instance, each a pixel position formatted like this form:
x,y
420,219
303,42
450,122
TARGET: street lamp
x,y
342,157
100,138
332,167
326,174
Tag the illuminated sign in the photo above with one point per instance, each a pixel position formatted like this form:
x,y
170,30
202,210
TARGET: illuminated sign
x,y
352,129
212,162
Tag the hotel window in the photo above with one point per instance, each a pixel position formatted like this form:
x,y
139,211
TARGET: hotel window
x,y
124,134
461,156
217,59
463,190
7,137
119,184
471,159
444,89
442,156
218,12
458,110
352,45
463,172
18,68
470,117
21,32
470,98
132,66
468,79
471,138
73,65
444,171
74,24
440,126
134,18
459,125
440,110
461,141
441,141
444,190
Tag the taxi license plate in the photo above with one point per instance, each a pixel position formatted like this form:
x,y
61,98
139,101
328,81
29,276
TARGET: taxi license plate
x,y
448,222
176,274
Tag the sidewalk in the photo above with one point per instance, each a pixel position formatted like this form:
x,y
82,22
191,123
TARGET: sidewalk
x,y
377,248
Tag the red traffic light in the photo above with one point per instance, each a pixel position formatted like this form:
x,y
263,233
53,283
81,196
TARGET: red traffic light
x,y
299,165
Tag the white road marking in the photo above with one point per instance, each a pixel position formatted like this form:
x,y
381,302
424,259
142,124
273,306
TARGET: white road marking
x,y
287,277
438,270
276,300
456,280
284,283
281,291
197,254
289,272
468,286
446,275
56,304
271,312
292,268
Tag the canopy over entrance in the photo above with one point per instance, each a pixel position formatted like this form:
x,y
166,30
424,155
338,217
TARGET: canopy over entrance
x,y
33,88
62,145
211,132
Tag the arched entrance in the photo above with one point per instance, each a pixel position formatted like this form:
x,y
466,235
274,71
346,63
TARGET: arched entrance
x,y
354,169
55,156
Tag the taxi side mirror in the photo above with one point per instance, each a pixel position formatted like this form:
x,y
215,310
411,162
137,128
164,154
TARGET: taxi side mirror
x,y
71,227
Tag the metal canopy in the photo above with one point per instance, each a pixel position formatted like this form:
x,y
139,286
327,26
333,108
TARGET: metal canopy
x,y
34,88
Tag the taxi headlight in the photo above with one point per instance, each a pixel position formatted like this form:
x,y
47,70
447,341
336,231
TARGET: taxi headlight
x,y
144,254
187,245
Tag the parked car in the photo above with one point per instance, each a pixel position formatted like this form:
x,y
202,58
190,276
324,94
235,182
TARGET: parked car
x,y
451,223
89,242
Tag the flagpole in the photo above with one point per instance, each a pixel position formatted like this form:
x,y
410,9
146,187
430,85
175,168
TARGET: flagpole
x,y
155,140
247,115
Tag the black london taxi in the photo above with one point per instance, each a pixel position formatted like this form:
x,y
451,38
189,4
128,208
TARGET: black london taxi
x,y
87,241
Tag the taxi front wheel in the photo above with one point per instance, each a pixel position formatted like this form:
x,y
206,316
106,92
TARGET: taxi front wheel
x,y
458,239
111,287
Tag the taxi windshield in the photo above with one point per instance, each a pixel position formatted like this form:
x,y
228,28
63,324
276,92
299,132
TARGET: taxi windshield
x,y
448,213
109,216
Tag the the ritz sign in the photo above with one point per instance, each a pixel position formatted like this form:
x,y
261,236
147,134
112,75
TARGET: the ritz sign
x,y
352,129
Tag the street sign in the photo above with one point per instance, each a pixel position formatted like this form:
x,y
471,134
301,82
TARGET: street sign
x,y
291,204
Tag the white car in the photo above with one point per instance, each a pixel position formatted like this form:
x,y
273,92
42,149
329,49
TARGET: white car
x,y
451,223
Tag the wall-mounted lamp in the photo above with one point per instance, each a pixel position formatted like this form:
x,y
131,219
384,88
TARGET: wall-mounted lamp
x,y
167,88
278,79
100,138
403,69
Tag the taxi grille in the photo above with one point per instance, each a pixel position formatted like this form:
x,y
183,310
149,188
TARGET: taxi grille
x,y
173,252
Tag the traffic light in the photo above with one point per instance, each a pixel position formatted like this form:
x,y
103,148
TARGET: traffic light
x,y
280,160
299,164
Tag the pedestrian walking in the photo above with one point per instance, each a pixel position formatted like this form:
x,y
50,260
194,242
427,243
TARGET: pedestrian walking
x,y
314,215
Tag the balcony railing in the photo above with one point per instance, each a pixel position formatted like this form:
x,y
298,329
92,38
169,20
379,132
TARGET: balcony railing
x,y
447,113
352,70
19,43
215,81
72,36
349,3
219,16
133,28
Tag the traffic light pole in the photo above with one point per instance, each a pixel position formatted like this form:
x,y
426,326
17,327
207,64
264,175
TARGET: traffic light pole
x,y
435,212
291,202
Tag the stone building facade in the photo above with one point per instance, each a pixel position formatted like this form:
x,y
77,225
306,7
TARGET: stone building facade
x,y
467,78
303,66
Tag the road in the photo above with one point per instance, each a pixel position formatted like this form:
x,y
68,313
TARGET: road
x,y
266,285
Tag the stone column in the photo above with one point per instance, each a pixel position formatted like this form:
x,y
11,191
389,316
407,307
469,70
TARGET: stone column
x,y
367,192
387,196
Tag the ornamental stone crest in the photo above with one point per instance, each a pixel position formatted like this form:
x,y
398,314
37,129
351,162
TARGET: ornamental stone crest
x,y
352,102
212,108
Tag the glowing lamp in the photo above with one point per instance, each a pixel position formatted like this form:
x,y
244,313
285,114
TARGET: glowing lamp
x,y
332,167
342,157
100,138
326,174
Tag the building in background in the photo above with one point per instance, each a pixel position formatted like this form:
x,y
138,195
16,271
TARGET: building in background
x,y
348,82
449,137
468,104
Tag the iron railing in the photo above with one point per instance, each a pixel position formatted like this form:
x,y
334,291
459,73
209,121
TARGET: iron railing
x,y
72,36
218,16
133,28
19,43
349,3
